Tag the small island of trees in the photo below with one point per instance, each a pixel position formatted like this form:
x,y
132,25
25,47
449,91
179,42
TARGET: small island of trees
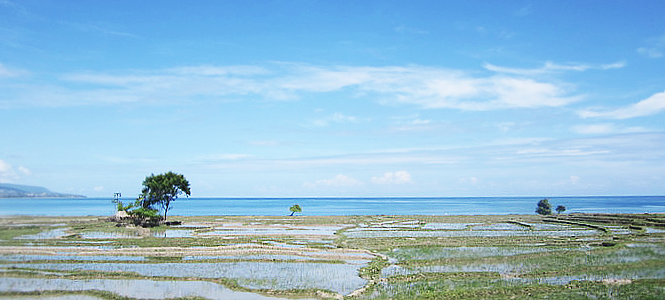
x,y
158,192
545,208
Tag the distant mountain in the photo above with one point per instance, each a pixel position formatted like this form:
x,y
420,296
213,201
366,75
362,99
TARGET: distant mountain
x,y
25,191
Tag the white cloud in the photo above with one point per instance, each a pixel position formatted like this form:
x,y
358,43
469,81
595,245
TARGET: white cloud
x,y
24,171
528,93
410,30
605,128
228,157
265,143
9,173
98,188
337,181
616,65
574,179
594,128
100,30
550,67
546,152
10,72
399,177
414,85
335,118
650,106
651,52
654,48
523,11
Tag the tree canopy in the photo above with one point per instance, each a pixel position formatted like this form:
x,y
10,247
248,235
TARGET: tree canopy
x,y
160,190
544,207
295,209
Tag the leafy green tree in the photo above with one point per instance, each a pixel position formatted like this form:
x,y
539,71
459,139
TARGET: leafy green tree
x,y
160,190
560,209
295,209
544,207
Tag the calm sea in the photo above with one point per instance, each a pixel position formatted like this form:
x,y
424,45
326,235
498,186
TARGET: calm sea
x,y
340,206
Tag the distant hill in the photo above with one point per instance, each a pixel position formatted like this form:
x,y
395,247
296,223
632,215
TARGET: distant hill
x,y
26,191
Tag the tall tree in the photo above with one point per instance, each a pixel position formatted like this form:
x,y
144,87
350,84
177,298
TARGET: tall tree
x,y
544,207
162,189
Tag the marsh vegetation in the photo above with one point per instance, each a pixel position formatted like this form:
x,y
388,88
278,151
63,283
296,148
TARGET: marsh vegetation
x,y
567,256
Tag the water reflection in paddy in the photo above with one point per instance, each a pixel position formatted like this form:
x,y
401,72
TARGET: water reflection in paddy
x,y
183,233
341,278
140,289
276,230
49,234
249,257
30,257
461,252
369,233
448,226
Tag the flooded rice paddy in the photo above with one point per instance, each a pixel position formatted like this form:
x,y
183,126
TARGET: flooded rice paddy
x,y
356,257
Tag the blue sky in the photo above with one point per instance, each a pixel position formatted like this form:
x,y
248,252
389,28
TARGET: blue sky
x,y
335,98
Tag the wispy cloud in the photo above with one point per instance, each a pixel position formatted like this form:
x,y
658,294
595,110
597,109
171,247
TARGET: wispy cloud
x,y
606,128
334,118
337,181
100,30
413,124
266,143
426,87
10,173
410,30
399,177
11,72
523,11
224,157
654,48
650,106
550,67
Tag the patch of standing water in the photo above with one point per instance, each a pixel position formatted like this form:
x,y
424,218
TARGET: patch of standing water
x,y
341,278
362,233
30,257
174,234
449,226
66,297
402,254
35,224
654,230
124,235
45,235
193,225
139,289
649,273
499,226
501,268
283,245
542,226
248,257
304,230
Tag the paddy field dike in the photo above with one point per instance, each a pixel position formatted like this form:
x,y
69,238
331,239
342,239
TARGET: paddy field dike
x,y
568,256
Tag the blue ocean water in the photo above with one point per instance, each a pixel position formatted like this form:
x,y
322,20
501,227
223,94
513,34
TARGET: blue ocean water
x,y
340,206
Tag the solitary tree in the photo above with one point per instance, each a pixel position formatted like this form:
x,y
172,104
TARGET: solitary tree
x,y
295,209
162,189
544,207
560,209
